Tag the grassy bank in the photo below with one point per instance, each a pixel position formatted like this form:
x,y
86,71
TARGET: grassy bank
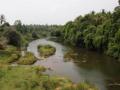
x,y
6,57
28,59
46,50
9,54
31,78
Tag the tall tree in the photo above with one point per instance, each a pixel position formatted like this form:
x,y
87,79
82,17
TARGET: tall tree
x,y
14,38
17,22
18,25
2,19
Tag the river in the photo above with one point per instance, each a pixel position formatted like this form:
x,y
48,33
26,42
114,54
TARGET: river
x,y
100,70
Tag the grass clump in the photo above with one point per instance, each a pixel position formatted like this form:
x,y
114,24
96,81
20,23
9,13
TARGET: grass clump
x,y
28,59
20,78
32,78
7,57
46,50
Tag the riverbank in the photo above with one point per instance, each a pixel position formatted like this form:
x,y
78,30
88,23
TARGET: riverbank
x,y
31,77
90,66
25,75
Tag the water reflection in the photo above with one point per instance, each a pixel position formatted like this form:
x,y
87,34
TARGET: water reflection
x,y
97,69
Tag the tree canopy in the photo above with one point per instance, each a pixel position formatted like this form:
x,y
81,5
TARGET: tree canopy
x,y
96,31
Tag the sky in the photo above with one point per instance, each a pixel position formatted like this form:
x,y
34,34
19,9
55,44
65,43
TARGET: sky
x,y
51,11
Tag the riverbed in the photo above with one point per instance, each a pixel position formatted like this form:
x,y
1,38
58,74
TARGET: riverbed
x,y
98,69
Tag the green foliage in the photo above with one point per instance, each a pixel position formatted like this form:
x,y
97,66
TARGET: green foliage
x,y
18,25
32,32
56,30
86,86
46,50
35,35
28,59
117,36
95,31
7,57
9,54
14,38
31,78
113,50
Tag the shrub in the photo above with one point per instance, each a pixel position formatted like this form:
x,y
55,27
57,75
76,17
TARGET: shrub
x,y
113,50
13,58
14,38
8,57
46,50
28,59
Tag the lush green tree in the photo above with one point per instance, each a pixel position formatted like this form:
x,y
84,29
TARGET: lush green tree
x,y
35,35
113,50
18,25
96,31
89,35
14,38
117,36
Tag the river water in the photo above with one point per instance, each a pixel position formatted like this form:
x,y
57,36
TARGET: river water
x,y
98,69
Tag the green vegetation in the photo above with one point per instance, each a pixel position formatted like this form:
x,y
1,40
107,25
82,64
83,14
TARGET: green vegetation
x,y
31,78
28,59
46,50
14,38
9,55
70,55
20,35
6,57
95,31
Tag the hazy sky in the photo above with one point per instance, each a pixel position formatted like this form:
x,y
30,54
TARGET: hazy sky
x,y
51,11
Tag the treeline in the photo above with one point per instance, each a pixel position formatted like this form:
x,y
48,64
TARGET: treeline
x,y
95,31
31,32
19,34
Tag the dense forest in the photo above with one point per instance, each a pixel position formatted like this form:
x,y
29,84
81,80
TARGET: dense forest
x,y
94,31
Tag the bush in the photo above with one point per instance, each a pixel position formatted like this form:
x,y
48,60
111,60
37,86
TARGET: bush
x,y
14,38
10,48
13,58
46,50
28,59
7,57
